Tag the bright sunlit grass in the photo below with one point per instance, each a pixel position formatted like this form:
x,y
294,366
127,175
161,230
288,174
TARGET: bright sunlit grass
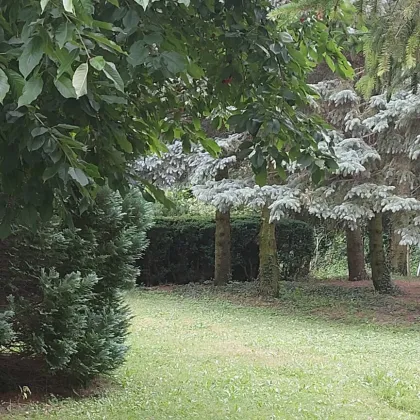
x,y
204,358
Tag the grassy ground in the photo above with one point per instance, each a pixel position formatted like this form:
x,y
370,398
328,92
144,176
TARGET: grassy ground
x,y
314,354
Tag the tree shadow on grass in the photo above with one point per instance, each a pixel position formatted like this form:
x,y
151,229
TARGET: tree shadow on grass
x,y
336,301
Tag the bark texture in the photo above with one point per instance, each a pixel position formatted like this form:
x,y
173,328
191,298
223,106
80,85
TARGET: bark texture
x,y
269,271
355,255
222,238
381,276
399,255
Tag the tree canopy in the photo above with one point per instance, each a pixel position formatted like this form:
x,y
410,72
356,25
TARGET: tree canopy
x,y
88,86
390,41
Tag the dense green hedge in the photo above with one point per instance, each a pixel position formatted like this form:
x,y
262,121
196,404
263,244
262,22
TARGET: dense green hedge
x,y
181,250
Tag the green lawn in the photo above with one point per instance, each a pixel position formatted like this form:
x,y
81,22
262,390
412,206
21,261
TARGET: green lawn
x,y
205,358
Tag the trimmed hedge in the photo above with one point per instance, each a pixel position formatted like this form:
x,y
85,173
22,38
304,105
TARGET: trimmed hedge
x,y
181,250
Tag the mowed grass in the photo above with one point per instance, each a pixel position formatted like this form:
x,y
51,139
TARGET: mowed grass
x,y
197,356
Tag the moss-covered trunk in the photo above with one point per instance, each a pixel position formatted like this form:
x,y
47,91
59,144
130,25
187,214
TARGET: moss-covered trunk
x,y
222,257
355,255
381,275
269,272
222,238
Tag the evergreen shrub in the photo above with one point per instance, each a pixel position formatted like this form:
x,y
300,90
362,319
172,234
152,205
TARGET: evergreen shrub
x,y
61,303
181,250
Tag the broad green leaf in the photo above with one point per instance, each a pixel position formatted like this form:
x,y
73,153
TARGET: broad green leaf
x,y
257,159
143,3
261,175
131,19
238,121
65,87
70,142
330,63
174,62
111,99
197,124
78,175
103,25
186,144
50,145
68,127
281,172
124,144
138,53
114,2
68,6
273,126
285,37
44,4
16,81
50,171
103,40
80,80
277,48
195,71
317,176
92,170
66,60
148,197
39,131
64,33
210,146
305,160
158,194
112,73
56,155
331,164
153,38
97,63
253,126
4,85
35,143
31,91
31,56
345,69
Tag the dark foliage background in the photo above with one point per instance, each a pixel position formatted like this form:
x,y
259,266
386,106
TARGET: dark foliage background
x,y
181,250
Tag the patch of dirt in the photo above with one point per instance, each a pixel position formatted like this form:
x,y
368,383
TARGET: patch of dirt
x,y
409,289
410,286
19,401
164,287
24,382
340,304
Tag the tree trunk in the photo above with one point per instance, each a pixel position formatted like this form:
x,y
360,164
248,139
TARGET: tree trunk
x,y
355,255
381,276
269,273
399,255
222,240
222,257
